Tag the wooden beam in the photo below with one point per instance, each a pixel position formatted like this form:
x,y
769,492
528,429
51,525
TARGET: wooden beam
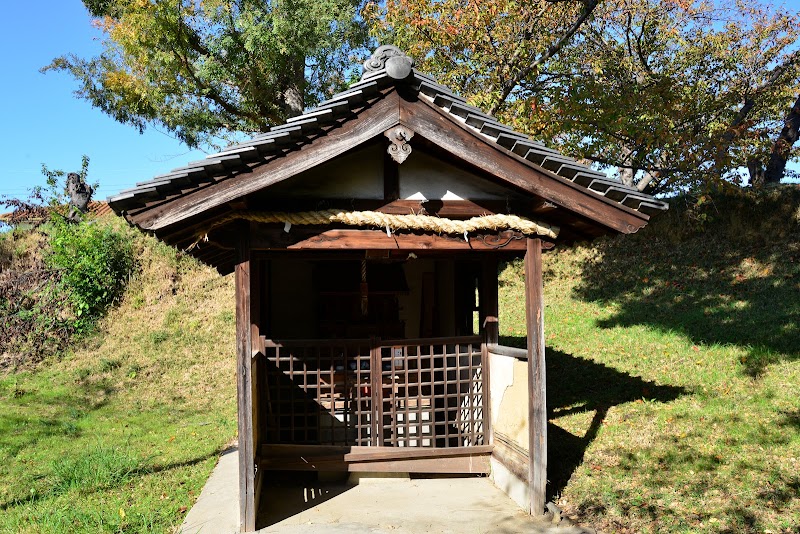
x,y
257,371
537,398
510,352
247,504
489,300
376,459
269,238
428,121
370,123
511,455
367,454
377,239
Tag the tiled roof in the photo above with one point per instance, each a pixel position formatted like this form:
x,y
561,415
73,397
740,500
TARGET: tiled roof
x,y
98,208
298,130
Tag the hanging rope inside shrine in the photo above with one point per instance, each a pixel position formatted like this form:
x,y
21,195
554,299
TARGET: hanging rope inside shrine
x,y
364,289
390,222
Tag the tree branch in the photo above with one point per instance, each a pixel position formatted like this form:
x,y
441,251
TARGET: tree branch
x,y
551,51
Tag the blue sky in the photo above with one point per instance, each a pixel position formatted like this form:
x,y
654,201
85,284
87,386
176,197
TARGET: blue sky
x,y
43,122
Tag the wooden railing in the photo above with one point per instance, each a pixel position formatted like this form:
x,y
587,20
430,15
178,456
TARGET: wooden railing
x,y
425,393
511,352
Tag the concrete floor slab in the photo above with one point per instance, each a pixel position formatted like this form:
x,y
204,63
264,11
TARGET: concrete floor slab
x,y
296,504
217,509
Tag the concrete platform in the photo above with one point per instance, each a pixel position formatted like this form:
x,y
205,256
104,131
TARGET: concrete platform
x,y
297,504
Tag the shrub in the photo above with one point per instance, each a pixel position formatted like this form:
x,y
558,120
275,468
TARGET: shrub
x,y
95,262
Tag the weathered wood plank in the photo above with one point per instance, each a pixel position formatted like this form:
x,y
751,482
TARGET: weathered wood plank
x,y
470,464
511,455
489,302
430,122
372,454
271,238
256,279
537,398
247,512
511,352
376,459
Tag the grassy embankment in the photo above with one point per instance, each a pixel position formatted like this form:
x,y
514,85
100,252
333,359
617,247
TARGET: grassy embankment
x,y
673,372
120,434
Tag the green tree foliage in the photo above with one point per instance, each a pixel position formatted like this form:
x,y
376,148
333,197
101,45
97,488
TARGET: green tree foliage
x,y
208,70
670,94
493,52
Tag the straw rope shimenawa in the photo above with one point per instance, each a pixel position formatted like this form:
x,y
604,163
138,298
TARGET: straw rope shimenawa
x,y
390,222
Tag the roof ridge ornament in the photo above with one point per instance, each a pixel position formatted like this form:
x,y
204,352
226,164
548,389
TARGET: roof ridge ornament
x,y
396,63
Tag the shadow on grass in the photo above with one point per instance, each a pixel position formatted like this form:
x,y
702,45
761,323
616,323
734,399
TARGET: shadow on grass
x,y
115,478
578,385
712,290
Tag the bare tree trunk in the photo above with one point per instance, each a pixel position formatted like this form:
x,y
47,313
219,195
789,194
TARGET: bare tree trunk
x,y
756,171
294,94
80,193
780,150
627,175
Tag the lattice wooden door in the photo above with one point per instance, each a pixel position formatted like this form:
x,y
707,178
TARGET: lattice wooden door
x,y
422,393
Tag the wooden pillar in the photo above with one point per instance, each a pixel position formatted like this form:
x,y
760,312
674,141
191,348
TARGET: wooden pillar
x,y
537,401
489,302
257,369
244,381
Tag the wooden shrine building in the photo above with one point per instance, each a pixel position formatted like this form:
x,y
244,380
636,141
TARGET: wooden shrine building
x,y
365,237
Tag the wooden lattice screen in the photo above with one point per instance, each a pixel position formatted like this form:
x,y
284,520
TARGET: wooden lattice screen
x,y
428,393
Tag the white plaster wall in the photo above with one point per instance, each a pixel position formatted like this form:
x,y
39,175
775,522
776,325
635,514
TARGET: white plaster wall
x,y
355,175
508,383
423,177
508,387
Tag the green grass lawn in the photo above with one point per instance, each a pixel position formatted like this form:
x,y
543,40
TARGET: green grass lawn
x,y
121,434
673,382
673,390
